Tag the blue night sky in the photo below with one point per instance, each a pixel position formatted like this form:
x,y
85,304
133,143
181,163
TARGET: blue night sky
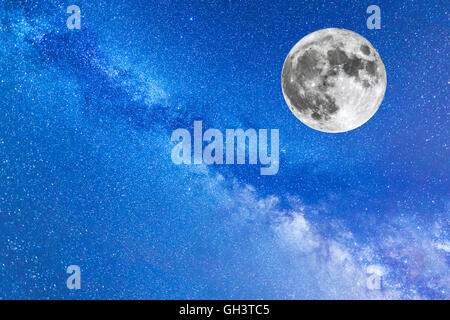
x,y
86,176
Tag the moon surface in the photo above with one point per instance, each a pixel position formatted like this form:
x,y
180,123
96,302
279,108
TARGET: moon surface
x,y
333,80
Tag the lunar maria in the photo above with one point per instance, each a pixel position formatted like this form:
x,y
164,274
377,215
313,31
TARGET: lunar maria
x,y
237,141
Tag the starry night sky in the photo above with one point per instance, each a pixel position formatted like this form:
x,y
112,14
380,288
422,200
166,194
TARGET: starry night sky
x,y
86,176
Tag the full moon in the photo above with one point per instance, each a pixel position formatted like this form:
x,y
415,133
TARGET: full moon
x,y
333,80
